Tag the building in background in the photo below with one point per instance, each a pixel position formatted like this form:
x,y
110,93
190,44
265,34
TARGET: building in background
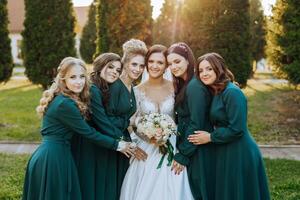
x,y
16,15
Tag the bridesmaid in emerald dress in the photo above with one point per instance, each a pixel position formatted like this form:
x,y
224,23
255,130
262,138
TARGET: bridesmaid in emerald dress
x,y
122,104
240,171
97,166
192,104
51,172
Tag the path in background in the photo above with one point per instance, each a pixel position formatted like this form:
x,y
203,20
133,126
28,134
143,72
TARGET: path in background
x,y
291,152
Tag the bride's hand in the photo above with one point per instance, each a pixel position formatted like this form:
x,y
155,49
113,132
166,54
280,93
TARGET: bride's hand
x,y
178,168
200,137
140,154
126,148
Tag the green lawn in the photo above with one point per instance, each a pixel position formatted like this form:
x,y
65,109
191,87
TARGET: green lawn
x,y
12,172
284,177
273,112
18,119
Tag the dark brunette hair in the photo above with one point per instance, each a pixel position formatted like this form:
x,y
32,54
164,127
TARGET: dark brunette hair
x,y
224,75
180,85
99,63
157,48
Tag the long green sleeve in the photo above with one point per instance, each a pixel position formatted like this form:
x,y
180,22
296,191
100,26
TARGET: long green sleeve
x,y
115,110
235,104
99,117
122,105
198,98
68,113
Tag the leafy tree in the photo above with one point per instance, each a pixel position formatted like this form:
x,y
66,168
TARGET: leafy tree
x,y
258,32
166,28
232,37
88,38
119,21
220,26
198,23
102,15
284,40
48,37
6,62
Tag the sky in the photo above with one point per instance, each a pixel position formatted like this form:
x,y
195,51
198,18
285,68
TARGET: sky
x,y
157,4
267,5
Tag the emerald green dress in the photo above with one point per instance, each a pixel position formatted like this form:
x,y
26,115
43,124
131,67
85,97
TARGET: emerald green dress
x,y
193,114
240,172
51,172
96,165
121,107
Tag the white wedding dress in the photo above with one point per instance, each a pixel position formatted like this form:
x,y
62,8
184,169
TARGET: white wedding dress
x,y
143,181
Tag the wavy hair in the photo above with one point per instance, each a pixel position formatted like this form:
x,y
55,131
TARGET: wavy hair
x,y
59,87
224,75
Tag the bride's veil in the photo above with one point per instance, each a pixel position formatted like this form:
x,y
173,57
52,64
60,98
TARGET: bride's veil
x,y
167,75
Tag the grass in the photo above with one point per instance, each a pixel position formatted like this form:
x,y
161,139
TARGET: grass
x,y
273,112
18,100
18,119
12,172
284,177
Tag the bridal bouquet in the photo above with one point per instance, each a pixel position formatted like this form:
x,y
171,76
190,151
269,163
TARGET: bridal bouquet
x,y
156,129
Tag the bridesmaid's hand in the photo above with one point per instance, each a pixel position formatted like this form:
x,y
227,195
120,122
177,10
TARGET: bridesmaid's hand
x,y
178,168
200,137
140,154
127,148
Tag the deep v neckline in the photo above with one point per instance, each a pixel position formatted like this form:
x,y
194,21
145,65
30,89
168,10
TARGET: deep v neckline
x,y
167,97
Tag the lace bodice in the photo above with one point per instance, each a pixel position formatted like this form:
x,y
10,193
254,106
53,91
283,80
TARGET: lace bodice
x,y
145,105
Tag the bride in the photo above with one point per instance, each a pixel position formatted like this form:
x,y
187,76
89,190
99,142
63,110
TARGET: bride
x,y
144,180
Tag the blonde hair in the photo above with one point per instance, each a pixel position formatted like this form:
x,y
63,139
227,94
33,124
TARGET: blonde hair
x,y
132,48
59,87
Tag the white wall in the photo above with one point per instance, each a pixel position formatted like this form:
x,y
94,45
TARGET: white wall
x,y
15,48
77,44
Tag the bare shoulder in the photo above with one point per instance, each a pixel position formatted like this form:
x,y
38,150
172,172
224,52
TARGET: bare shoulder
x,y
140,87
169,85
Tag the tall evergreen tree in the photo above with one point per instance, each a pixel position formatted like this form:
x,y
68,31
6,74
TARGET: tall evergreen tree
x,y
257,28
102,15
88,38
198,23
48,37
6,62
166,28
232,37
135,22
284,39
221,26
119,21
